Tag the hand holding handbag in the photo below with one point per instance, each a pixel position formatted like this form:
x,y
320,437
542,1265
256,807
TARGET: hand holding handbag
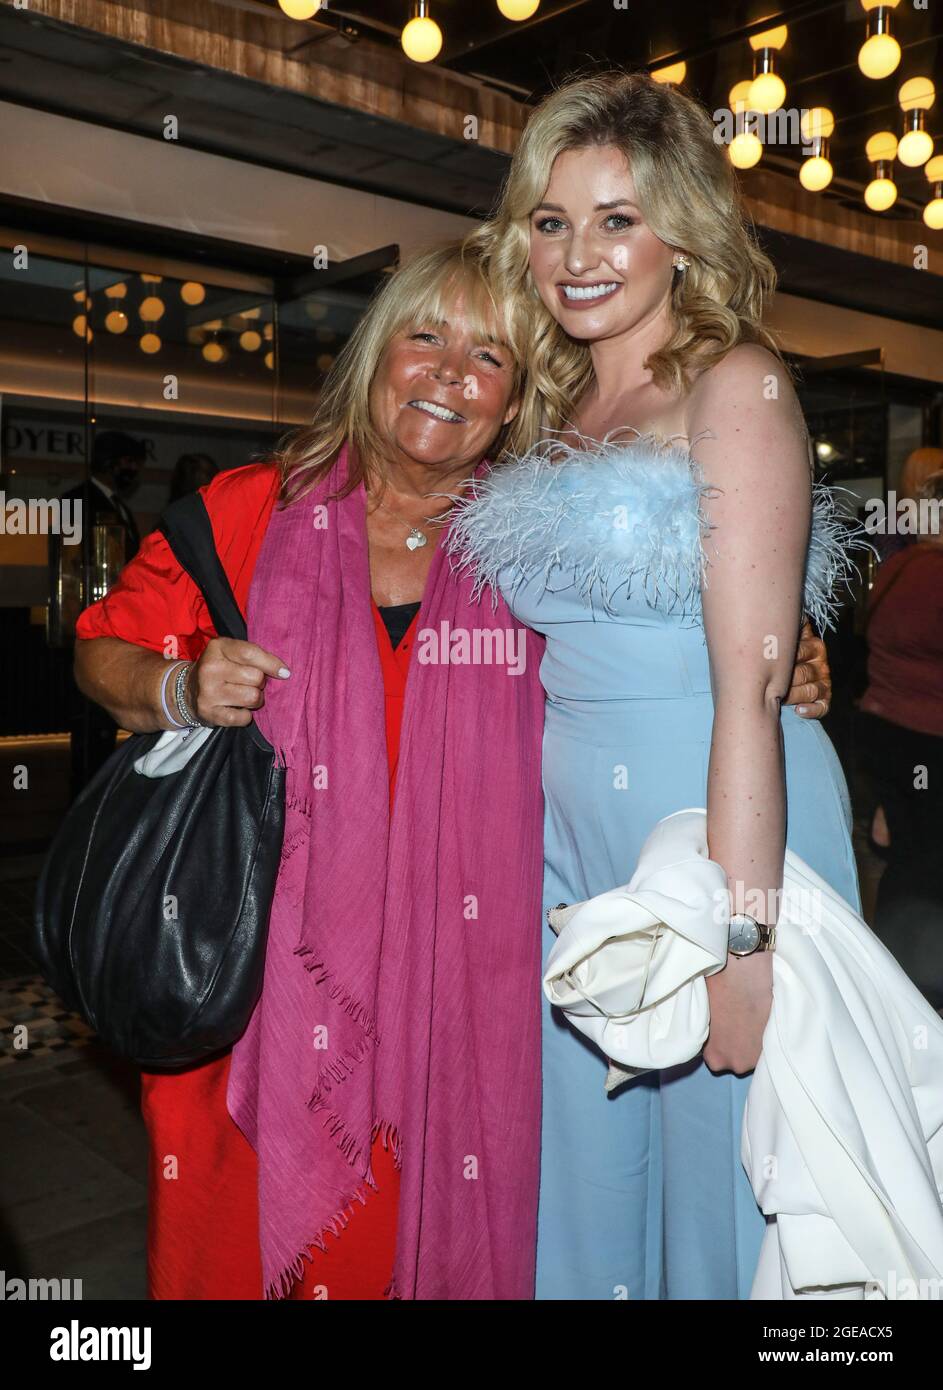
x,y
152,906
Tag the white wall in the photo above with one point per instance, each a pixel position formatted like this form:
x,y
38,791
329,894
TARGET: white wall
x,y
821,330
75,164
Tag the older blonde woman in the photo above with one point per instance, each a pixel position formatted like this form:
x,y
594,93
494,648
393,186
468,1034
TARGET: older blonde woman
x,y
665,547
382,1128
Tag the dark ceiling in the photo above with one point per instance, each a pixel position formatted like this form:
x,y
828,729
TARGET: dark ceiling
x,y
57,67
818,63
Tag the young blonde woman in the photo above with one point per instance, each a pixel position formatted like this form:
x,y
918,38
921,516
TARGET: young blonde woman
x,y
666,543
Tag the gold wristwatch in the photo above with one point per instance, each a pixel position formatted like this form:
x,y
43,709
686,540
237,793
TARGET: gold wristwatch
x,y
747,935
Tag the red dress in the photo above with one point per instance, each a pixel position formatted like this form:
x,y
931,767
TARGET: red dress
x,y
203,1240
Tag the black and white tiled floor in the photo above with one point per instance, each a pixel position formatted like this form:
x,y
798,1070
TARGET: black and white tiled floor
x,y
35,1023
33,1020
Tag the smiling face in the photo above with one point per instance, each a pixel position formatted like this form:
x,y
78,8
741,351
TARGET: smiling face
x,y
442,392
598,267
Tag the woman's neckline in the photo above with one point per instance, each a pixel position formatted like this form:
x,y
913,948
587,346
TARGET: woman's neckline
x,y
560,451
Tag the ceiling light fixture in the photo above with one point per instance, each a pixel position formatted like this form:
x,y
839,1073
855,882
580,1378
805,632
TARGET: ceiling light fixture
x,y
422,37
299,9
674,73
768,90
881,192
518,9
933,212
879,55
746,147
151,309
815,171
916,96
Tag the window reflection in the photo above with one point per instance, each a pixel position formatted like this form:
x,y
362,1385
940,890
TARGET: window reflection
x,y
197,368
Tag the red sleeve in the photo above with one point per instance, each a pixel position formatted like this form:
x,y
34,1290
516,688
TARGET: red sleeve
x,y
153,602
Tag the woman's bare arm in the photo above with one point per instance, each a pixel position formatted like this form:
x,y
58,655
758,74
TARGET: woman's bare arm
x,y
125,680
223,687
752,603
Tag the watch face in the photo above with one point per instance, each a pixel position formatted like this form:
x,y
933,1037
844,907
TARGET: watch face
x,y
744,936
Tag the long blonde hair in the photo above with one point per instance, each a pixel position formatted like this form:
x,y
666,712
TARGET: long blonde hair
x,y
688,193
423,292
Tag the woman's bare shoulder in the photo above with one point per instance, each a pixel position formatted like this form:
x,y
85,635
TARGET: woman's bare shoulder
x,y
748,371
750,392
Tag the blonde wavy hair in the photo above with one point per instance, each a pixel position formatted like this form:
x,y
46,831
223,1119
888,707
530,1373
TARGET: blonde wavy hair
x,y
687,191
422,293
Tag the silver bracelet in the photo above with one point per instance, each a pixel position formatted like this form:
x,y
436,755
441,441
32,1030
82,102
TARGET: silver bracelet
x,y
183,708
173,666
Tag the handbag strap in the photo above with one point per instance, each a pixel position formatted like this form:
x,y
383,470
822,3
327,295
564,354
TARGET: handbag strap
x,y
188,531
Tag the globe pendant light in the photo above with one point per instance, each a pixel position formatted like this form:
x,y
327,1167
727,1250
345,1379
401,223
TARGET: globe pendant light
x,y
746,147
815,171
768,90
422,37
300,9
879,55
881,192
674,74
933,212
151,309
916,96
518,9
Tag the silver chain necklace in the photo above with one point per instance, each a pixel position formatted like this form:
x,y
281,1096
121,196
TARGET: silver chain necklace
x,y
416,538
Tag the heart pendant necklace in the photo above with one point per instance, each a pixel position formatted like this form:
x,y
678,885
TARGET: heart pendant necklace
x,y
416,538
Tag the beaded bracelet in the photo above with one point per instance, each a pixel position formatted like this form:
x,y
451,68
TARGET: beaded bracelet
x,y
163,693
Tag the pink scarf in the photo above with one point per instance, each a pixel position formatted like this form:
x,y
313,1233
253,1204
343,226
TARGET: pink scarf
x,y
402,978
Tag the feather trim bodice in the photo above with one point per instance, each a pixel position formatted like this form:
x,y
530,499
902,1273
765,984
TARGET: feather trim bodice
x,y
623,515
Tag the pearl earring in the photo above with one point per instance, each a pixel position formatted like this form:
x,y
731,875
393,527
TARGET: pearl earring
x,y
681,262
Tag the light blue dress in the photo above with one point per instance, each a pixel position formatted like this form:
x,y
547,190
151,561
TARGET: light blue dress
x,y
643,1194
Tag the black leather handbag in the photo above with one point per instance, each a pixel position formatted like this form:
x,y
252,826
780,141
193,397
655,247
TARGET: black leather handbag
x,y
153,902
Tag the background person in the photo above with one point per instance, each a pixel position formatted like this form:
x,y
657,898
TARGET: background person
x,y
115,468
900,734
191,472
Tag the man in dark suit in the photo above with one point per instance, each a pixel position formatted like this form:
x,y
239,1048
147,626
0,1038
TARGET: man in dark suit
x,y
117,460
